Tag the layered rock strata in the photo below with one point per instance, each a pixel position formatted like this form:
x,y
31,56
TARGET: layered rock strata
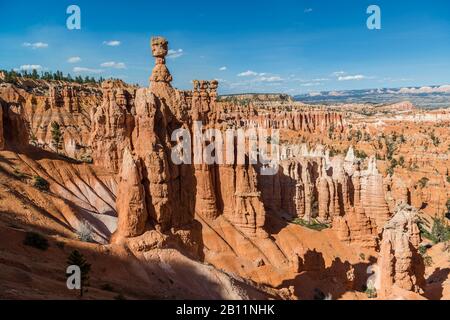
x,y
400,264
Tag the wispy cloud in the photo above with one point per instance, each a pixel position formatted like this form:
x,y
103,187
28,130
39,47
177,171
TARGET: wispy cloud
x,y
112,43
269,79
338,73
36,45
113,64
308,10
351,78
223,68
248,73
74,59
86,70
173,54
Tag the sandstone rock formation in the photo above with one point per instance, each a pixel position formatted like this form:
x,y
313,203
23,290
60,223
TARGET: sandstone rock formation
x,y
112,125
400,264
13,128
130,205
373,196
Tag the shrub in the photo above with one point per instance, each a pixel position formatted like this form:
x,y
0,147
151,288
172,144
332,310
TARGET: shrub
x,y
423,182
436,140
371,292
440,231
40,183
85,233
360,154
107,287
313,224
87,159
35,240
120,296
319,295
422,250
18,174
428,261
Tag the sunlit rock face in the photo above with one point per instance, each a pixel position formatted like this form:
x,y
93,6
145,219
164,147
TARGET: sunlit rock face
x,y
401,266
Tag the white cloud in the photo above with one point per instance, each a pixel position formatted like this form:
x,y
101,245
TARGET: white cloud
x,y
115,65
223,68
74,59
440,89
29,67
86,70
112,43
173,54
308,10
248,73
350,78
36,45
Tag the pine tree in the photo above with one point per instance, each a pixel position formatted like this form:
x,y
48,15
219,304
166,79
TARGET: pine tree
x,y
56,136
35,74
77,259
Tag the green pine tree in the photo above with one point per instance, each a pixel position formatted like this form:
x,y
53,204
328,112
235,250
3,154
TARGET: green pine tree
x,y
77,259
56,136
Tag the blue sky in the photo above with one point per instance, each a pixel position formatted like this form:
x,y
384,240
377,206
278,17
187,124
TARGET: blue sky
x,y
287,46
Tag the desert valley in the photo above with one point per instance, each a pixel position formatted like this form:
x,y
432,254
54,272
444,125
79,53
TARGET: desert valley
x,y
358,209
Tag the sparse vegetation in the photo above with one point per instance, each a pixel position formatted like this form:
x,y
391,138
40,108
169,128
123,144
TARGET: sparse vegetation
x,y
40,183
85,233
440,230
360,154
18,174
371,292
87,159
313,224
423,182
33,139
107,287
436,140
35,240
448,206
401,161
428,261
77,259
